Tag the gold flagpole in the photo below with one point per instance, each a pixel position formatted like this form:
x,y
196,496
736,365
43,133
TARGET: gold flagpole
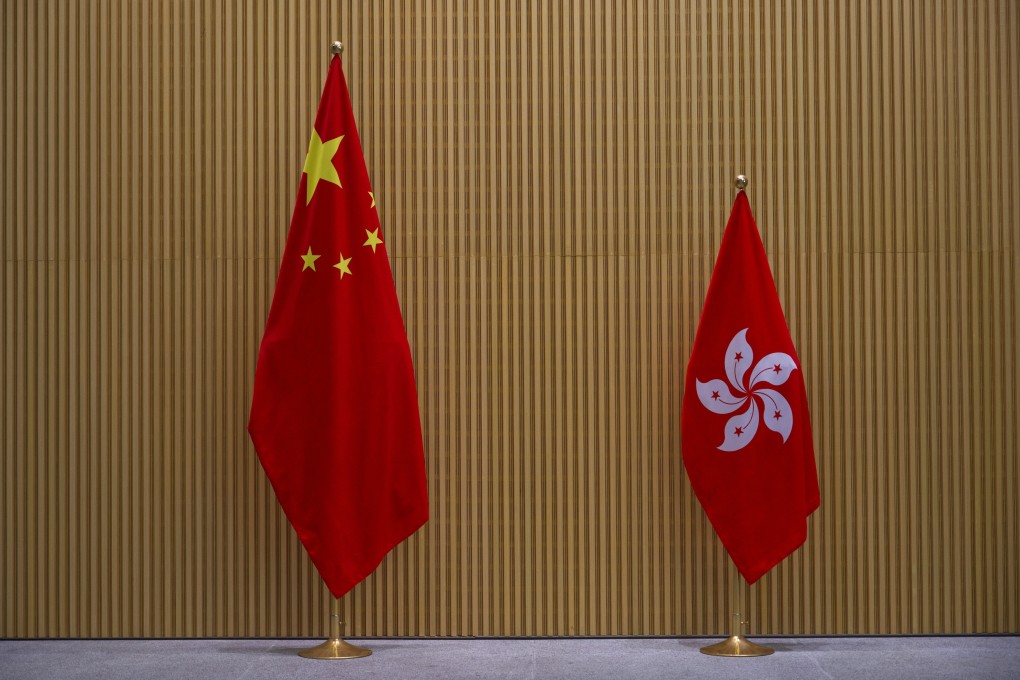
x,y
736,644
335,647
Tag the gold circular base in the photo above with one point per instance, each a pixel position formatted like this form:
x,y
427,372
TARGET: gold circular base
x,y
736,645
335,649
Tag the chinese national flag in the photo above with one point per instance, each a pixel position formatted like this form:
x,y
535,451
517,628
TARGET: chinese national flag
x,y
746,434
334,414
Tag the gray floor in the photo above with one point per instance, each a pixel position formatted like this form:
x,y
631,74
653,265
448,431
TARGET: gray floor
x,y
795,658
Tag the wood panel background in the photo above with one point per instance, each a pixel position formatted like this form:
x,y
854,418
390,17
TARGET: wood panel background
x,y
554,179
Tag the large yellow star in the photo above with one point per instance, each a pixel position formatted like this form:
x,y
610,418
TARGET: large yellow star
x,y
319,162
342,266
309,260
373,239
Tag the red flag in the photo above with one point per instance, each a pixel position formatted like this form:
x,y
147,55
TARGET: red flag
x,y
334,414
746,434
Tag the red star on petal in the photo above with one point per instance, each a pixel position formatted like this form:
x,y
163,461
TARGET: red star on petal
x,y
740,355
779,414
739,431
777,368
715,395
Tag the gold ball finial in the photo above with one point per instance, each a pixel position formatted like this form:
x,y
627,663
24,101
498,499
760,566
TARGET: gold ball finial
x,y
741,182
336,47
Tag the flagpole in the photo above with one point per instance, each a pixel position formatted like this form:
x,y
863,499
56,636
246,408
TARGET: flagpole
x,y
736,644
335,647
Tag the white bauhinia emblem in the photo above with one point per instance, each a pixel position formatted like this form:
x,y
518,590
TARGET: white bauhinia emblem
x,y
762,403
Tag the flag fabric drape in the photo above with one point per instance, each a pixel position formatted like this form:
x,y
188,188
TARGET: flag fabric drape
x,y
334,413
745,429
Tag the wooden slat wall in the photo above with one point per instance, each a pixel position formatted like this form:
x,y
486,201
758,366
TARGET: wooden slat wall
x,y
554,179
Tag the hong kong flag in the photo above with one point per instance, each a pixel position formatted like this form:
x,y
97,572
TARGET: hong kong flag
x,y
746,433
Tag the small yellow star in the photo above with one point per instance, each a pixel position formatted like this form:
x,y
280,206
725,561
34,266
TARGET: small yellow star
x,y
309,260
373,239
372,196
319,162
342,266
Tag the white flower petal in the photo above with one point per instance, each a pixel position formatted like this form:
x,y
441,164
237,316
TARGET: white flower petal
x,y
775,368
716,397
740,429
738,359
776,412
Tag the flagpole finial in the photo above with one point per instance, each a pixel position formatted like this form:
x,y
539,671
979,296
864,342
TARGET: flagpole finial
x,y
741,182
336,47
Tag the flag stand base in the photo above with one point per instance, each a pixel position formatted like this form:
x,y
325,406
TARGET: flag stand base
x,y
736,645
335,649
